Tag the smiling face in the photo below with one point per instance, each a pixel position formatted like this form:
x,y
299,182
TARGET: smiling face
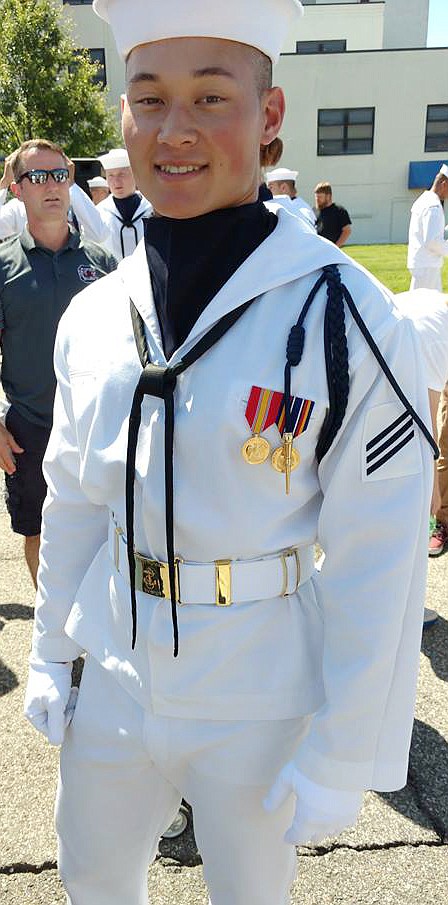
x,y
193,122
48,202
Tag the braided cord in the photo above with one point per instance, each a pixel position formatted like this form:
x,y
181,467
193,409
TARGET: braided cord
x,y
336,360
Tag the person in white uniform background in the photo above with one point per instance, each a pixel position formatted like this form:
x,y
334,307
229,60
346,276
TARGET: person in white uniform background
x,y
117,221
225,363
282,183
98,188
427,245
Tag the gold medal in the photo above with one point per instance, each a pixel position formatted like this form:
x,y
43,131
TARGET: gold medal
x,y
255,450
279,459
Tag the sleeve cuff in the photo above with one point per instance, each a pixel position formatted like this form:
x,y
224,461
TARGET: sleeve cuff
x,y
350,776
52,650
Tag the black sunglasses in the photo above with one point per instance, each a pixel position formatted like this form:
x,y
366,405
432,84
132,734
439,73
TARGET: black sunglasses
x,y
40,177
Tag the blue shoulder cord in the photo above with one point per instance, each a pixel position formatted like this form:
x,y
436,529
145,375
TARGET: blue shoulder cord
x,y
160,382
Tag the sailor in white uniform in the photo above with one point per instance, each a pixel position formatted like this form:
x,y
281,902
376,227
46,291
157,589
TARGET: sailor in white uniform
x,y
98,188
117,221
282,183
427,246
229,375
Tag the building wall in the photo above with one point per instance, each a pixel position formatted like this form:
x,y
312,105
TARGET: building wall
x,y
400,85
406,23
361,24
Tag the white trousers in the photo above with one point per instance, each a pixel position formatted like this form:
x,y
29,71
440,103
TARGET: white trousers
x,y
123,773
426,278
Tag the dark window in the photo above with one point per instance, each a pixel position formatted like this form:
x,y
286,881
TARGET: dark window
x,y
436,137
321,46
348,131
96,55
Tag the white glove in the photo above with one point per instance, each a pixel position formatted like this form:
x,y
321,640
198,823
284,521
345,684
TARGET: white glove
x,y
49,699
319,812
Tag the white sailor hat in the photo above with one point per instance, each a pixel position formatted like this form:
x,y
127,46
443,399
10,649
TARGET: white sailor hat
x,y
98,182
263,24
281,174
115,159
444,170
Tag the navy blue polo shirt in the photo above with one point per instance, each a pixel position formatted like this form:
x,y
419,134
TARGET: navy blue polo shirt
x,y
36,286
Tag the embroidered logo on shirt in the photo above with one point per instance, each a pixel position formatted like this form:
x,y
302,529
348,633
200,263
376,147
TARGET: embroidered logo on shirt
x,y
87,274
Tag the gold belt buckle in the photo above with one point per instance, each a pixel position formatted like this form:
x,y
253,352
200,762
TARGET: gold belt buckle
x,y
292,552
223,582
153,577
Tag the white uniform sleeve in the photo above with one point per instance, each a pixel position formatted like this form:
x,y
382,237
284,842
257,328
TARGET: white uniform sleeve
x,y
432,235
12,216
95,228
373,527
73,531
427,310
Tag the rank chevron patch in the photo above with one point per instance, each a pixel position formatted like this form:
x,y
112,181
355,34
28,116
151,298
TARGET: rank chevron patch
x,y
389,447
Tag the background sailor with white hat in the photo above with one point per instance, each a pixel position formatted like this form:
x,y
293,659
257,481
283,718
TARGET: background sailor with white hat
x,y
282,183
224,337
98,188
117,220
427,244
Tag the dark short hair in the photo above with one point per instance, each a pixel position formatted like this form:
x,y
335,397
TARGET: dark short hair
x,y
270,154
41,144
263,71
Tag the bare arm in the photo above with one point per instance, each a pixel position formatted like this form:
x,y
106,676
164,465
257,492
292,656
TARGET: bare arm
x,y
345,233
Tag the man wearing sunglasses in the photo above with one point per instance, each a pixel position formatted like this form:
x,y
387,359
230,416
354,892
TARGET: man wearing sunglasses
x,y
40,271
13,213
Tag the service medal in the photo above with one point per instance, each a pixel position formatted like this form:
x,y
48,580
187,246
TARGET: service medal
x,y
255,450
285,458
278,459
261,412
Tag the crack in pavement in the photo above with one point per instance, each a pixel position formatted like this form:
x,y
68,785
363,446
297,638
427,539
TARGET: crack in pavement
x,y
317,851
24,868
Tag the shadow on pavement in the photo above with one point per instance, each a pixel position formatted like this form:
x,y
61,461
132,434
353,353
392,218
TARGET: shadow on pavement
x,y
425,799
435,647
8,679
8,613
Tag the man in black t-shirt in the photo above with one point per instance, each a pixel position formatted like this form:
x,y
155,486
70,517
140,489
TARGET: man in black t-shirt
x,y
333,221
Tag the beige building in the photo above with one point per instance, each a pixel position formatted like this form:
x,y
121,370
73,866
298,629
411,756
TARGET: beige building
x,y
367,104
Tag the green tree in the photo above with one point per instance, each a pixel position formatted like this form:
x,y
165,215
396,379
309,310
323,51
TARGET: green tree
x,y
47,85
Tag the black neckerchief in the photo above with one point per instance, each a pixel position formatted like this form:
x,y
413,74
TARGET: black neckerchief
x,y
190,260
127,207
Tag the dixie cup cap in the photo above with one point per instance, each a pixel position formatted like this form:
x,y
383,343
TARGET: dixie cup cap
x,y
263,24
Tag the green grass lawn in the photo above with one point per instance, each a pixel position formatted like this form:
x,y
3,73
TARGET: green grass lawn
x,y
388,264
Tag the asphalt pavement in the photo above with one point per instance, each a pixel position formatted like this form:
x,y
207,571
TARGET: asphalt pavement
x,y
397,854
